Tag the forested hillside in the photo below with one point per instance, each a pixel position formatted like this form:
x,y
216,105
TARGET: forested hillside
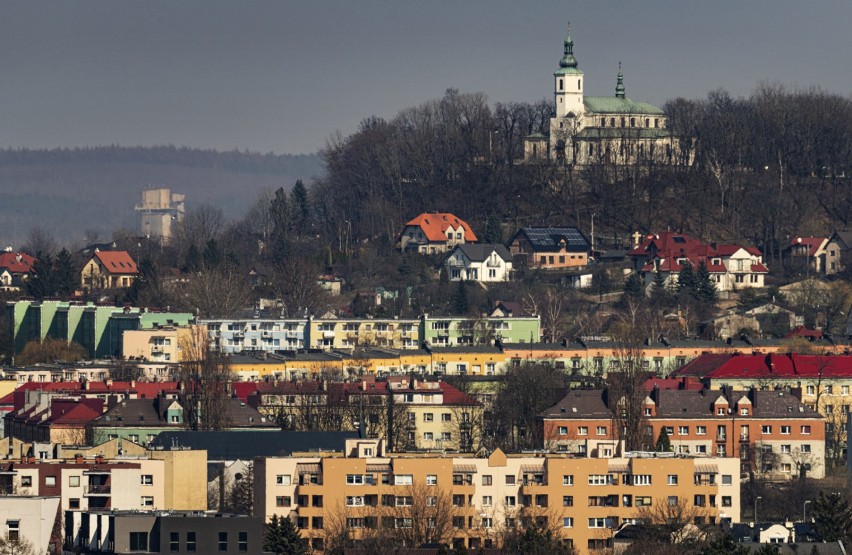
x,y
69,192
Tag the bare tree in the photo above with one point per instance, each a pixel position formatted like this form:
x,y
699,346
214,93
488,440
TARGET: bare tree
x,y
625,391
205,377
216,292
295,284
40,242
549,305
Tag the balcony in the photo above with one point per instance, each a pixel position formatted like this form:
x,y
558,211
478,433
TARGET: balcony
x,y
744,439
721,437
328,334
97,489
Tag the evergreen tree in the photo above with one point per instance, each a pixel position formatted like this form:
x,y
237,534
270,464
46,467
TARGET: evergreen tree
x,y
686,278
724,545
833,517
633,286
301,208
493,231
460,304
660,295
664,444
704,287
282,537
40,283
212,256
279,210
65,278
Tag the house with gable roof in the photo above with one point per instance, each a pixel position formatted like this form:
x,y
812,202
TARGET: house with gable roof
x,y
731,266
550,247
109,270
15,268
480,263
435,232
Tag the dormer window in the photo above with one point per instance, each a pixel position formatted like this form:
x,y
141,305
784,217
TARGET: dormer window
x,y
744,411
720,411
717,261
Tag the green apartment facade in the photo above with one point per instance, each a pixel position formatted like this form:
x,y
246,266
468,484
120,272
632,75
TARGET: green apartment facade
x,y
98,329
452,331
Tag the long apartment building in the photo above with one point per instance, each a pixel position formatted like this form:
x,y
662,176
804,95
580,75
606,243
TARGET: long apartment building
x,y
771,433
585,499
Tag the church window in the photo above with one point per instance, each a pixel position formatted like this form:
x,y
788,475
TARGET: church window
x,y
651,150
641,150
632,122
647,122
656,122
591,149
579,84
622,122
560,123
612,122
560,84
668,151
603,122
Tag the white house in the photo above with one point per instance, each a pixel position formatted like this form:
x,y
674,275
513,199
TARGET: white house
x,y
478,262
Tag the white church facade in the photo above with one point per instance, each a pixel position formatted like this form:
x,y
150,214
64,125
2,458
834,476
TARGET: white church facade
x,y
587,130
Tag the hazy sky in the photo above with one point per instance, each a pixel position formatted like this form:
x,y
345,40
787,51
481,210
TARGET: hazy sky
x,y
284,75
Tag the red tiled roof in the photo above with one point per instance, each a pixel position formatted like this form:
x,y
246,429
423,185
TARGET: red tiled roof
x,y
17,262
76,413
117,262
813,243
768,366
802,331
687,383
434,226
453,396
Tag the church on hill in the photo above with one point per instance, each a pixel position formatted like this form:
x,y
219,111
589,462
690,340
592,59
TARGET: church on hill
x,y
586,130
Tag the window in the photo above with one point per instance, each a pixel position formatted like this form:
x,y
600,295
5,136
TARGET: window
x,y
74,481
766,429
810,390
486,479
13,530
805,448
510,479
486,501
74,503
147,480
600,479
402,480
786,468
147,501
601,430
806,430
844,390
701,430
683,430
642,479
726,500
567,479
138,541
597,522
428,436
672,481
582,430
510,500
785,430
191,542
785,449
563,430
174,542
431,480
446,417
428,417
671,500
283,501
727,479
568,522
354,500
283,480
223,541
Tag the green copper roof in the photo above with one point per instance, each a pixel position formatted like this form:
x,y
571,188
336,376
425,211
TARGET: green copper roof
x,y
568,60
568,71
619,85
613,105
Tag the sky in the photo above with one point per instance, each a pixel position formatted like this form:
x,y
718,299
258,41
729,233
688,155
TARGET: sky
x,y
284,76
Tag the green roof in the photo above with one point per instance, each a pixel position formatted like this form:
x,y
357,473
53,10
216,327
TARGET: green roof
x,y
614,105
568,71
624,132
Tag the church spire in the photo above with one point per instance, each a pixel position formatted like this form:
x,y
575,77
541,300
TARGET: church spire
x,y
619,86
568,59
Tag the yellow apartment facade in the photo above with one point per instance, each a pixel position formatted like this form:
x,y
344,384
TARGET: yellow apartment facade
x,y
472,501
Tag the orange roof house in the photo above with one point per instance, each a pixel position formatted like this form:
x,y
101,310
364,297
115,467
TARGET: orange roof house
x,y
15,268
108,270
435,232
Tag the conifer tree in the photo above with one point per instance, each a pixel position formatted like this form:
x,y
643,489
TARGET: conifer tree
x,y
282,537
493,231
833,517
664,444
704,288
686,278
460,304
40,283
633,286
300,208
65,278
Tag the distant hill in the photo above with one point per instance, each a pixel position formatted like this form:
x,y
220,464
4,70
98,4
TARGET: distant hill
x,y
69,191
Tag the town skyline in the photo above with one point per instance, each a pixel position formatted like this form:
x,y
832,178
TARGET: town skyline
x,y
268,77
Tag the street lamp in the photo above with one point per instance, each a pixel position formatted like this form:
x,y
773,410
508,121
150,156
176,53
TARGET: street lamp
x,y
805,510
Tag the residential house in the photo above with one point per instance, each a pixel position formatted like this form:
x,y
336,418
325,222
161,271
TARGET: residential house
x,y
430,414
434,232
109,270
581,499
731,266
28,520
838,252
141,420
504,309
551,248
483,263
807,253
15,268
770,432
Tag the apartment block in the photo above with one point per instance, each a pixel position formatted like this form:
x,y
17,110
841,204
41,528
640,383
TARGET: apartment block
x,y
349,333
583,498
770,432
161,344
449,331
257,334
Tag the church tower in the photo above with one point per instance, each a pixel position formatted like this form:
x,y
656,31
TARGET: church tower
x,y
568,83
